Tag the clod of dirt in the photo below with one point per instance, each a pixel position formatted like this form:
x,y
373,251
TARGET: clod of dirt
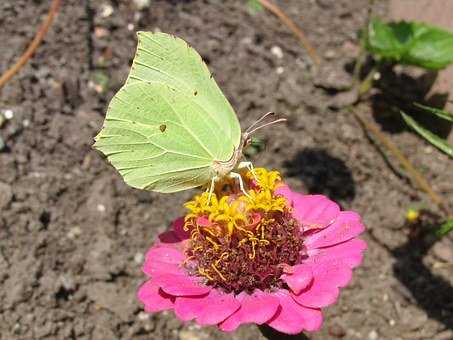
x,y
6,195
111,297
443,250
337,331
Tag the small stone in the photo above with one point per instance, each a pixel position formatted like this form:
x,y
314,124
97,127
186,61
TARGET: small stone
x,y
343,99
337,331
100,207
279,70
392,322
67,282
6,195
130,27
330,54
373,335
74,232
277,52
101,32
138,258
189,335
141,4
142,316
26,123
106,10
8,114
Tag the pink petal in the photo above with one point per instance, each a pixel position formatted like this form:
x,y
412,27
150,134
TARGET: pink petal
x,y
349,252
327,278
168,238
154,299
346,226
163,260
292,318
178,227
203,221
209,309
312,211
257,308
180,285
286,192
299,278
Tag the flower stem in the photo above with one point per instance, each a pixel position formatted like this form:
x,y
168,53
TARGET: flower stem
x,y
417,178
33,45
278,12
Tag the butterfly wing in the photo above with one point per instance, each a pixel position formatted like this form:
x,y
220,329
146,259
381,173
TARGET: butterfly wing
x,y
170,121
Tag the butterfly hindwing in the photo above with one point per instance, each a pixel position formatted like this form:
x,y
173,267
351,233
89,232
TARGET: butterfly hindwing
x,y
168,124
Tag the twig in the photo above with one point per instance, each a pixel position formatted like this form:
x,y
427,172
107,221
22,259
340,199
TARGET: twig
x,y
273,8
33,45
415,175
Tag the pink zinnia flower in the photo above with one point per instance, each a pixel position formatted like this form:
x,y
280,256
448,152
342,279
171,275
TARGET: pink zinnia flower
x,y
272,257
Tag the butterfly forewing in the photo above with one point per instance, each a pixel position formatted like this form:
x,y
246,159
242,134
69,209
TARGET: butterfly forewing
x,y
170,121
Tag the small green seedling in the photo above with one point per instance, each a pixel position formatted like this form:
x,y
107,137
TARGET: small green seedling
x,y
409,43
438,142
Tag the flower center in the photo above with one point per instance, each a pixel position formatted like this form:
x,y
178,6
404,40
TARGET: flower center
x,y
241,243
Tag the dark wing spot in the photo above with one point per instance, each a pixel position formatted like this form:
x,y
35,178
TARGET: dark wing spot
x,y
195,93
163,127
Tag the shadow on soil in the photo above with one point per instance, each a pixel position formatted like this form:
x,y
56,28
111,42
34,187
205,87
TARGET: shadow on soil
x,y
271,334
431,292
398,91
322,173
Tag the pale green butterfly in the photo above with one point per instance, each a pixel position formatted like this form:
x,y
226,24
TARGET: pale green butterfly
x,y
170,128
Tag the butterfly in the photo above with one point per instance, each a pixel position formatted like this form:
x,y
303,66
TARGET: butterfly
x,y
170,128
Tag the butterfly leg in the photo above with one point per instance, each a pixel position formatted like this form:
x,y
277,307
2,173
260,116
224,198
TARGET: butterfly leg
x,y
211,188
249,166
237,176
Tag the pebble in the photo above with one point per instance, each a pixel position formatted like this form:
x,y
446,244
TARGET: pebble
x,y
138,258
8,114
188,335
74,232
106,10
142,316
277,52
330,54
101,207
141,4
279,70
130,27
373,335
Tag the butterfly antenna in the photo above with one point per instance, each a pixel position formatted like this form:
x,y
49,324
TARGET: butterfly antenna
x,y
280,120
259,120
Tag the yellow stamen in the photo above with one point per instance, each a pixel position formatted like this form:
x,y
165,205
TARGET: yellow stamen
x,y
218,272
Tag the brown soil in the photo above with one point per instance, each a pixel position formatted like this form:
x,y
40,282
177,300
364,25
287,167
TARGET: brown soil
x,y
73,235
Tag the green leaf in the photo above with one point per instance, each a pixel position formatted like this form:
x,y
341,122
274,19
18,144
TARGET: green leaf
x,y
428,135
439,113
254,6
445,228
410,43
